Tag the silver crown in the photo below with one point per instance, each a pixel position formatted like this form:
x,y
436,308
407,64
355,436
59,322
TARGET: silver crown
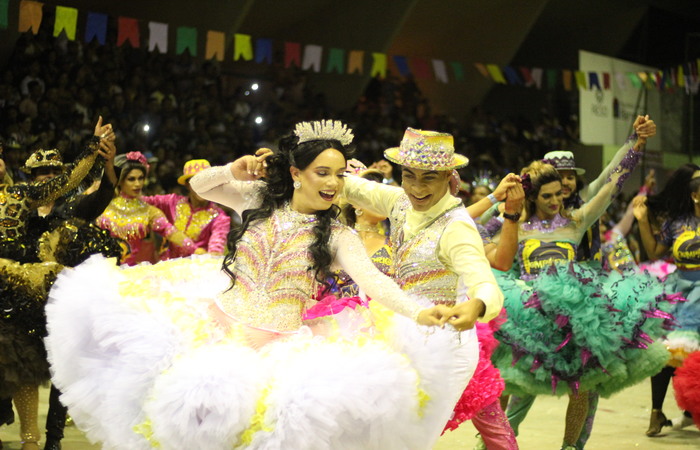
x,y
324,129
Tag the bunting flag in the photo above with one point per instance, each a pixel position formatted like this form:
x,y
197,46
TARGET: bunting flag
x,y
457,70
606,81
511,75
593,81
621,80
242,47
292,54
216,45
96,28
527,76
566,79
186,39
158,37
4,13
378,65
356,61
440,70
336,60
635,80
580,79
30,15
263,50
482,70
421,68
536,74
495,73
552,78
128,30
401,65
312,58
680,76
66,20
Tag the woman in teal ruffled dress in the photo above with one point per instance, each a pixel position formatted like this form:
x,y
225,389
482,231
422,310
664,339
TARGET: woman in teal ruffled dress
x,y
573,328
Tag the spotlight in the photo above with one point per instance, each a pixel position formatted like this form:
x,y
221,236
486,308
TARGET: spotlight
x,y
259,120
255,86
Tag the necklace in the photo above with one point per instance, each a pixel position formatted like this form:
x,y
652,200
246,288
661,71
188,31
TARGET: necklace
x,y
369,228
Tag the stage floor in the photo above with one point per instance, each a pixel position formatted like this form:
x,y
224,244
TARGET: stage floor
x,y
619,425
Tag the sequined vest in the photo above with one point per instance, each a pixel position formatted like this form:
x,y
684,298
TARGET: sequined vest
x,y
417,268
274,285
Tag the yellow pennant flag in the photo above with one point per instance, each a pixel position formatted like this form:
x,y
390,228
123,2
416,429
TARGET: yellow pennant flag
x,y
580,79
378,65
242,47
66,19
496,73
30,15
680,80
215,45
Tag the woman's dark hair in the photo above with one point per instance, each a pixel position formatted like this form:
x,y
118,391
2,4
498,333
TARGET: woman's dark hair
x,y
126,168
349,210
575,200
674,199
540,174
278,191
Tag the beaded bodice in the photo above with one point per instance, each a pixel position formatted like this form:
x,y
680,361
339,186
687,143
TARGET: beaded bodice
x,y
128,218
417,268
273,285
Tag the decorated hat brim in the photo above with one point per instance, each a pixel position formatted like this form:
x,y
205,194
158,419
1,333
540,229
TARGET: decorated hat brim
x,y
182,179
392,154
28,170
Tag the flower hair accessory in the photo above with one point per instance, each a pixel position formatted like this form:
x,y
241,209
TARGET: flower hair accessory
x,y
324,129
137,157
526,181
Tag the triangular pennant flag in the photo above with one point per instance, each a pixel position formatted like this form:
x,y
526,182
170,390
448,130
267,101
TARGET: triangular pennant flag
x,y
292,54
496,74
680,76
66,19
216,44
242,47
378,65
312,58
30,15
580,79
552,78
263,50
96,28
457,70
606,81
593,81
440,70
537,76
527,76
336,60
482,70
566,79
356,61
634,78
421,68
128,30
402,65
186,39
511,75
621,79
158,37
4,13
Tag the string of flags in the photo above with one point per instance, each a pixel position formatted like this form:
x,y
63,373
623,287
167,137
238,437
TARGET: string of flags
x,y
337,60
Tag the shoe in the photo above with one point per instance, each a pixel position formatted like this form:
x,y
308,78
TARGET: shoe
x,y
30,445
681,422
657,421
569,447
52,444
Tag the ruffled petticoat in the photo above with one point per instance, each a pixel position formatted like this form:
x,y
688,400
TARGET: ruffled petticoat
x,y
686,385
685,339
576,327
144,360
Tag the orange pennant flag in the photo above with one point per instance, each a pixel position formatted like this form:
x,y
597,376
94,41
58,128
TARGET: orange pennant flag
x,y
482,70
215,45
30,15
356,61
566,79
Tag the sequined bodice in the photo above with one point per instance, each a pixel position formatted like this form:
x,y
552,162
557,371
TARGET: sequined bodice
x,y
417,268
127,218
273,282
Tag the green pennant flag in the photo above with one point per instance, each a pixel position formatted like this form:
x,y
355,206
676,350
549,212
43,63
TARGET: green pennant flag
x,y
4,7
552,78
636,82
186,40
336,60
457,70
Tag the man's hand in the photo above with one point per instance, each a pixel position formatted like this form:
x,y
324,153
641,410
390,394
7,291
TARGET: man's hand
x,y
506,183
465,314
385,168
515,197
435,316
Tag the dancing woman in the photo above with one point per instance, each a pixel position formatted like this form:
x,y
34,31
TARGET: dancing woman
x,y
229,361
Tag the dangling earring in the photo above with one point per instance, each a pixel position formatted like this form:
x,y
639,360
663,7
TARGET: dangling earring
x,y
297,184
358,212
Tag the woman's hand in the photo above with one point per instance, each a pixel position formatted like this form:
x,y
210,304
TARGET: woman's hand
x,y
251,167
639,208
435,316
645,128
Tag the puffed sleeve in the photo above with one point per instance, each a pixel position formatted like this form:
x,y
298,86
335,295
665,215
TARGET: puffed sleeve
x,y
218,185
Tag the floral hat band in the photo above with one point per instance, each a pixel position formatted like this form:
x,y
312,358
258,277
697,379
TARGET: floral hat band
x,y
426,150
563,160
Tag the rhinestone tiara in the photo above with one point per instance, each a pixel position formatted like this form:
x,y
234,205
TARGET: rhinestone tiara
x,y
324,129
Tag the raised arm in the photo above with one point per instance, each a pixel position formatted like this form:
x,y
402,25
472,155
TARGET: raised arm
x,y
498,195
502,254
219,185
366,194
654,248
351,256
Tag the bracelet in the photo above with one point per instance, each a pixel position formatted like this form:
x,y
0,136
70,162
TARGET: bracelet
x,y
388,180
492,198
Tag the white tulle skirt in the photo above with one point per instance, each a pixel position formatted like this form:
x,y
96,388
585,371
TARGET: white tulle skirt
x,y
143,362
